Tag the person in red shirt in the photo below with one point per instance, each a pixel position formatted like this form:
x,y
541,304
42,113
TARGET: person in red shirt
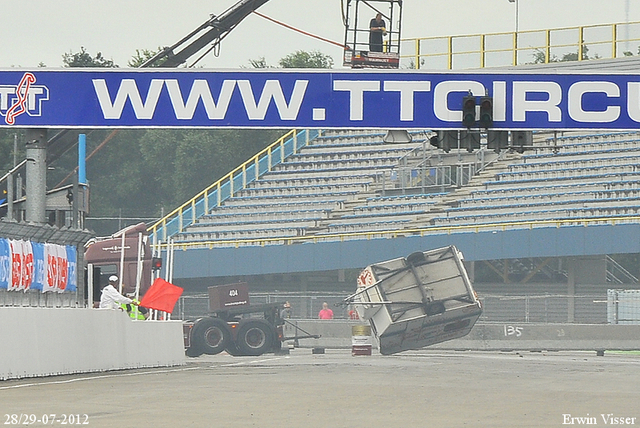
x,y
325,313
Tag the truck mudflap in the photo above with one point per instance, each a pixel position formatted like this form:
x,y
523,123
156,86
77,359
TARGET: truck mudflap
x,y
417,301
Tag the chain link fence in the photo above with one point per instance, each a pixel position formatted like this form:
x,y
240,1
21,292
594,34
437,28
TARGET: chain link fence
x,y
612,306
551,308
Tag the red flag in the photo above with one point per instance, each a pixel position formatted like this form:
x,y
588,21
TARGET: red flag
x,y
161,296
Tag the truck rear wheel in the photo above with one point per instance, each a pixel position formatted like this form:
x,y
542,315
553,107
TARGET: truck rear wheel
x,y
255,337
211,335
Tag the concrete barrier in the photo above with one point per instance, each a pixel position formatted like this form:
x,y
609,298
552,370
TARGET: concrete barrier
x,y
492,337
550,337
48,341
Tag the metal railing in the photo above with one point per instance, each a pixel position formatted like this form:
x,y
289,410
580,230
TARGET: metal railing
x,y
213,196
431,175
524,47
617,274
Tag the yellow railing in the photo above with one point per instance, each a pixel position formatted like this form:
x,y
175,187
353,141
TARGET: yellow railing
x,y
524,47
230,184
406,232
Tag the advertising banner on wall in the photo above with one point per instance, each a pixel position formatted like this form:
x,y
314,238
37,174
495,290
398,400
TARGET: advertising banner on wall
x,y
326,99
5,264
26,265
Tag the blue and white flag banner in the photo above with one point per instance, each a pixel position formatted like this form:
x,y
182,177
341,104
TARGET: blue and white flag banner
x,y
327,99
26,265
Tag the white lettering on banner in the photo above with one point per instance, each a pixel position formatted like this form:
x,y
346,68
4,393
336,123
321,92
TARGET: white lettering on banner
x,y
441,97
577,91
40,270
5,92
128,90
587,102
407,90
356,89
200,90
272,89
551,105
499,101
633,100
36,95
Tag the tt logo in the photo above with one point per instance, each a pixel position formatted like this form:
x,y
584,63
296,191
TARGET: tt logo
x,y
25,97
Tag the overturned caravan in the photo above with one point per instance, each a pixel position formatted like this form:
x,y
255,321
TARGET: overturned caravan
x,y
417,301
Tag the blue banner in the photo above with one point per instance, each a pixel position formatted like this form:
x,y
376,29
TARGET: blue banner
x,y
39,266
91,98
72,279
5,264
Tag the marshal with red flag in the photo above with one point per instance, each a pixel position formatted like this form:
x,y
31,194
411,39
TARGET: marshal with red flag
x,y
161,296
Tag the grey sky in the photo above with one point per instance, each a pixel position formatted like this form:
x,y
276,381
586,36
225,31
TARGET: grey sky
x,y
37,31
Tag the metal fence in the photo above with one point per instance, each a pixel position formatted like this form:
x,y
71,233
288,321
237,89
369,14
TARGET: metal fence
x,y
584,309
623,307
524,47
303,306
550,308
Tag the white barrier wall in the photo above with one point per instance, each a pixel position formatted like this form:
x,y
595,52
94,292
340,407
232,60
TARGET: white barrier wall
x,y
51,341
491,336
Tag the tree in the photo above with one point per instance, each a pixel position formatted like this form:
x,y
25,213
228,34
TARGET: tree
x,y
259,63
84,59
303,59
298,59
539,56
142,56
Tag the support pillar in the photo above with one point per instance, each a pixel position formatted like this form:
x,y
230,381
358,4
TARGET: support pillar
x,y
571,290
36,202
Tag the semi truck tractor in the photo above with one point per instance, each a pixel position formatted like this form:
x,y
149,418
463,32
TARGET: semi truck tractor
x,y
417,301
234,325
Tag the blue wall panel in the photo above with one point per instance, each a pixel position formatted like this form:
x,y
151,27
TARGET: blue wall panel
x,y
487,245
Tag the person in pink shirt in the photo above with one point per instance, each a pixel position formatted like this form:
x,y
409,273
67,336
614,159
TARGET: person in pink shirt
x,y
325,313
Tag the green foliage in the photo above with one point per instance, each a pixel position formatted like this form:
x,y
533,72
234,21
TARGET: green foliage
x,y
298,59
540,56
259,63
143,55
303,59
143,173
84,59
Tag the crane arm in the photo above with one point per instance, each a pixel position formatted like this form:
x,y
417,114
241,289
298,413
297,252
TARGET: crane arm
x,y
211,31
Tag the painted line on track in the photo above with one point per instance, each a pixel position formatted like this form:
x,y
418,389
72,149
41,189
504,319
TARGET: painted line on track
x,y
59,382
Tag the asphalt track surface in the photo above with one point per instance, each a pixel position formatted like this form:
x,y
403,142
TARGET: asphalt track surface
x,y
335,389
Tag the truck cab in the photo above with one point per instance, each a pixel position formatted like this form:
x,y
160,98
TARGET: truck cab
x,y
108,256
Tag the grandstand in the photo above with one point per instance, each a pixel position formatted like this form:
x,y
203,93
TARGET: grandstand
x,y
540,230
340,182
589,176
352,187
348,182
